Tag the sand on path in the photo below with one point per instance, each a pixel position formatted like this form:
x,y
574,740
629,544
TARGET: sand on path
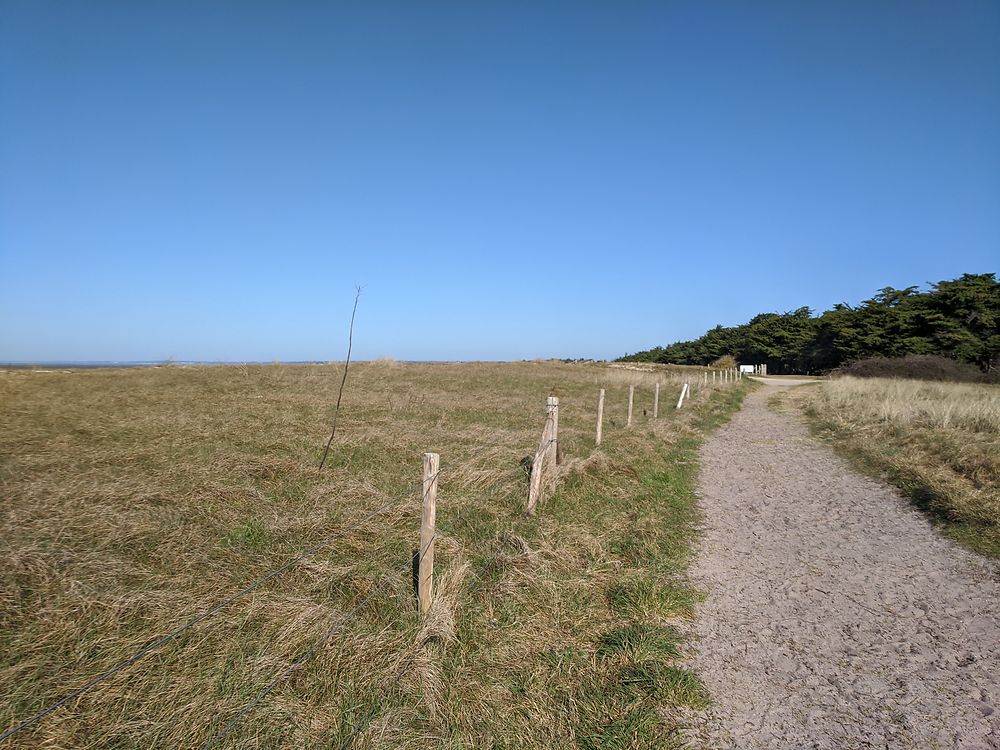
x,y
836,616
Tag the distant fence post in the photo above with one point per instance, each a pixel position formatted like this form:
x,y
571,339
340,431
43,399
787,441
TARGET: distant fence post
x,y
600,416
656,400
631,394
713,377
552,409
425,585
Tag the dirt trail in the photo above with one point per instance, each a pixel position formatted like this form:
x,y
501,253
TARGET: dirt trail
x,y
836,616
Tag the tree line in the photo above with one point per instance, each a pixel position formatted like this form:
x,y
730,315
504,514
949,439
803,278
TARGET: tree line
x,y
959,319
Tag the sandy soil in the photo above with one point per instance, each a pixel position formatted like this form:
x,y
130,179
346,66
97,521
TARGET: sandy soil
x,y
836,616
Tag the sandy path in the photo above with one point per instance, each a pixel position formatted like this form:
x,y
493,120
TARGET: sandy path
x,y
836,617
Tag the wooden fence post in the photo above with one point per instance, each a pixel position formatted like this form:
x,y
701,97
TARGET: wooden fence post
x,y
631,394
425,586
713,377
600,415
656,400
680,401
552,410
538,462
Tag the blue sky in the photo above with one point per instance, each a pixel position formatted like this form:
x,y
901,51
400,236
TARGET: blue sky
x,y
210,180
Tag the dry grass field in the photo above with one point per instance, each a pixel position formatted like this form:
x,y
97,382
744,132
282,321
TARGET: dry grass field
x,y
135,499
940,442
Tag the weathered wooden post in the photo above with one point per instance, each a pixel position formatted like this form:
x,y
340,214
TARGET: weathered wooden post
x,y
425,584
600,416
656,400
680,401
631,394
552,409
542,453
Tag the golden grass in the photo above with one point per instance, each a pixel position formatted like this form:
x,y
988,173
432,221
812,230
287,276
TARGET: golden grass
x,y
135,499
940,442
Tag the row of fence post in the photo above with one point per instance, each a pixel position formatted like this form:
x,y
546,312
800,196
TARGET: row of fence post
x,y
546,456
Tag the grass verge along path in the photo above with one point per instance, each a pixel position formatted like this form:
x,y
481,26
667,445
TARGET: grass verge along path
x,y
938,442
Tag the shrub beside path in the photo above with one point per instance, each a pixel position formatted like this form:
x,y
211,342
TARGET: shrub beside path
x,y
836,616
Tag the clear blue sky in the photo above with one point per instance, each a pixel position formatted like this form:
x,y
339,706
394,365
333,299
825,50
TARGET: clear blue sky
x,y
208,180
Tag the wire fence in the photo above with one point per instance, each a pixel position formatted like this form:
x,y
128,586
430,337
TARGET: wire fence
x,y
544,459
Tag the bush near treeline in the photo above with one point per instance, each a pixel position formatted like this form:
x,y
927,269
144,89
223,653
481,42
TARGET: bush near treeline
x,y
958,319
917,367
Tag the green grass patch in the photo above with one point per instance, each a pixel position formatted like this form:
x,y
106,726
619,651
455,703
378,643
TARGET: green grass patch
x,y
640,641
252,535
666,683
647,597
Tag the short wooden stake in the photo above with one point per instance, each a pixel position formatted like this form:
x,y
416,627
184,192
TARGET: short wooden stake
x,y
656,400
538,462
425,584
713,377
600,416
552,410
680,401
631,394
